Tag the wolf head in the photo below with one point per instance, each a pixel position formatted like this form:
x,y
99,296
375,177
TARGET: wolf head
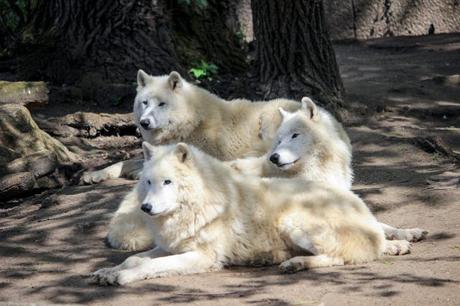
x,y
162,178
179,178
181,191
161,109
295,139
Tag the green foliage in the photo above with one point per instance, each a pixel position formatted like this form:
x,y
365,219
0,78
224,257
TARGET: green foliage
x,y
203,70
199,3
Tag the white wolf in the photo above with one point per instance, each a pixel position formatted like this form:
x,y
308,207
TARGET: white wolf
x,y
206,215
308,143
311,144
168,109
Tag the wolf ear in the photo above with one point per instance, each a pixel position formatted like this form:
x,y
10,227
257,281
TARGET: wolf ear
x,y
148,150
143,78
283,113
310,108
175,80
182,152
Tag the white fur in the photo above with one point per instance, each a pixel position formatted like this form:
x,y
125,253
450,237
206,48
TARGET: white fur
x,y
221,217
311,144
321,151
224,129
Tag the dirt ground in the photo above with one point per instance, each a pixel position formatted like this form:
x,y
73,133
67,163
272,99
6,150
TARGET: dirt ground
x,y
404,91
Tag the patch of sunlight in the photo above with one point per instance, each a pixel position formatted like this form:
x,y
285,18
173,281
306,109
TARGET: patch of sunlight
x,y
399,99
447,103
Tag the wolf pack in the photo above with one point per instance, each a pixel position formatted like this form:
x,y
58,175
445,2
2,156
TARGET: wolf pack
x,y
238,182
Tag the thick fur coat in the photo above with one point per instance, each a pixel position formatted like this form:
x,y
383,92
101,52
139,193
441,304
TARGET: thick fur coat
x,y
207,215
168,109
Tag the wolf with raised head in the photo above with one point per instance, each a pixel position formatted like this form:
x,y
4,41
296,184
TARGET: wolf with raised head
x,y
311,144
168,109
206,215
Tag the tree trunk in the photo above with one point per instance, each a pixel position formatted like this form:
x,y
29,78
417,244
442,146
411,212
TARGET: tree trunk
x,y
113,38
294,55
209,33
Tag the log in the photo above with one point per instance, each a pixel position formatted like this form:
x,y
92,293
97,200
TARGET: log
x,y
89,125
23,93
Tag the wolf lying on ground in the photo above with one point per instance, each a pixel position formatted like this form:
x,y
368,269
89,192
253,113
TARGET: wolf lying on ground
x,y
168,109
309,143
206,215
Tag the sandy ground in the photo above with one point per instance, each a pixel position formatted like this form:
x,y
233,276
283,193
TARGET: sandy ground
x,y
47,243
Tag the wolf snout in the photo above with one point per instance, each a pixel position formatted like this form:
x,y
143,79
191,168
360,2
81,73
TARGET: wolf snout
x,y
145,123
146,207
275,158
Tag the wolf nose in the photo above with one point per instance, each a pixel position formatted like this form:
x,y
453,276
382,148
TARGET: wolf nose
x,y
275,158
145,123
146,207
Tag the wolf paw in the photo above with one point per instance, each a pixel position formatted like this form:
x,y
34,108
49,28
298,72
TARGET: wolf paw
x,y
291,266
94,177
104,276
411,234
397,247
112,277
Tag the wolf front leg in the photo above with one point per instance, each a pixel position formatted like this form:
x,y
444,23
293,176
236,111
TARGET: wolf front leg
x,y
128,168
138,267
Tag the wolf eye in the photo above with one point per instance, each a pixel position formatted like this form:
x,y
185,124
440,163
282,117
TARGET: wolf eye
x,y
161,104
149,182
166,182
295,135
145,102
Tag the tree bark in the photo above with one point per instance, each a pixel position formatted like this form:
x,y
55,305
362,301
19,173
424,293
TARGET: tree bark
x,y
210,34
20,136
114,38
294,55
111,40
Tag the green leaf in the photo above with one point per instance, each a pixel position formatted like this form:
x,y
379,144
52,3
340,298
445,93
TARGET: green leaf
x,y
198,72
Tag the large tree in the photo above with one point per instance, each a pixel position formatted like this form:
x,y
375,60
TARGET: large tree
x,y
68,38
294,55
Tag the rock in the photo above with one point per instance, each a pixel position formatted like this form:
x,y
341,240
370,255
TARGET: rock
x,y
23,93
17,184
